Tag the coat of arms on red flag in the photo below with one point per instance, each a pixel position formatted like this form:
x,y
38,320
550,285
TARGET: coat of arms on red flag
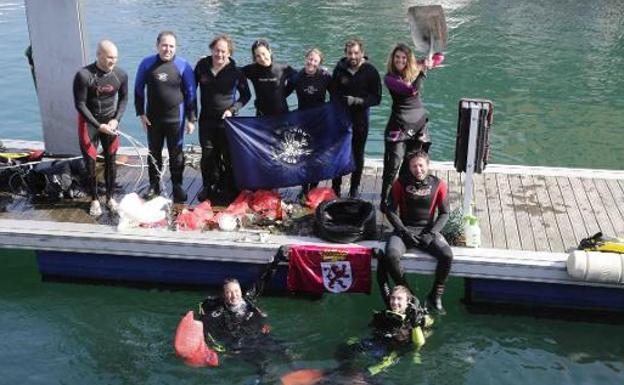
x,y
316,269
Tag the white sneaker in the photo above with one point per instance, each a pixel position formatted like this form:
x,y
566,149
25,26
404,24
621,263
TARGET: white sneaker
x,y
96,209
112,205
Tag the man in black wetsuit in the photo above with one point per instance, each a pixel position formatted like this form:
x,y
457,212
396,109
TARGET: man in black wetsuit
x,y
100,96
415,197
224,91
170,109
357,84
235,325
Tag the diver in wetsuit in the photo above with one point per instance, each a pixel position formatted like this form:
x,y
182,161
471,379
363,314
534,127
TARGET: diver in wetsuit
x,y
224,91
270,80
170,109
234,324
357,84
407,129
411,207
100,96
397,330
311,84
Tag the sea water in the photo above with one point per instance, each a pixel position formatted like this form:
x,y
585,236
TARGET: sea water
x,y
553,71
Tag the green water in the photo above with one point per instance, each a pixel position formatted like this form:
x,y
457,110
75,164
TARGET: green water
x,y
553,70
60,333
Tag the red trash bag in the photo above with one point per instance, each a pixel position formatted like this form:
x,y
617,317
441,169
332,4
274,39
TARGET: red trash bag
x,y
267,204
194,219
189,343
318,195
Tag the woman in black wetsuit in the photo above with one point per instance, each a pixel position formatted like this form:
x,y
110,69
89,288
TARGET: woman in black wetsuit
x,y
269,80
311,84
406,130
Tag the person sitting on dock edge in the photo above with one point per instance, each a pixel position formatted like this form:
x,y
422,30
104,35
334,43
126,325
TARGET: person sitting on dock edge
x,y
411,207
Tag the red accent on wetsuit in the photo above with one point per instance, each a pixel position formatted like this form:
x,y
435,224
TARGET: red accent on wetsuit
x,y
417,201
85,140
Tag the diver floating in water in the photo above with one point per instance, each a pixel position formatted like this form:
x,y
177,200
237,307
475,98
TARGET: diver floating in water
x,y
235,326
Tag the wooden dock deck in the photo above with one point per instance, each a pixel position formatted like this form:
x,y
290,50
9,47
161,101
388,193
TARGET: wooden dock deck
x,y
529,217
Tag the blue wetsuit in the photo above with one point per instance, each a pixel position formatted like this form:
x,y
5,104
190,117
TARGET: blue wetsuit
x,y
170,100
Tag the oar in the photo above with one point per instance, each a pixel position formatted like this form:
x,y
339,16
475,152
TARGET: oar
x,y
428,28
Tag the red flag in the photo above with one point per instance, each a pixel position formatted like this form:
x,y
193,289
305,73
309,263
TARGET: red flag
x,y
315,269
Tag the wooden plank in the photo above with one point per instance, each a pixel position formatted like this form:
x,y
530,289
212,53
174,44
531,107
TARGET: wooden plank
x,y
572,208
604,223
587,213
497,225
481,210
548,215
520,207
512,235
618,196
534,212
560,210
611,206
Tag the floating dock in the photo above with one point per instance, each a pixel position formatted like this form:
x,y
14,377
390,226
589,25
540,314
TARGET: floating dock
x,y
530,218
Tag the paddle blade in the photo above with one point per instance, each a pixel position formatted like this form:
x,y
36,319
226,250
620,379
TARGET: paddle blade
x,y
428,28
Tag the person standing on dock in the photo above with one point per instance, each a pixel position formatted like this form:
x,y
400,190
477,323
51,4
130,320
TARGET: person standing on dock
x,y
406,130
224,91
169,113
411,209
358,85
100,96
311,85
269,80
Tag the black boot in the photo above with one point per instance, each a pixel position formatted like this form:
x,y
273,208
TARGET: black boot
x,y
179,195
204,194
434,299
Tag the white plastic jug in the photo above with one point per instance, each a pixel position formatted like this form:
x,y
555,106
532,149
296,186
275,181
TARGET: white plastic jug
x,y
472,231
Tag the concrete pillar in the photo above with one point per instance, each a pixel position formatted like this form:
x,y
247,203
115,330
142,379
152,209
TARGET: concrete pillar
x,y
59,43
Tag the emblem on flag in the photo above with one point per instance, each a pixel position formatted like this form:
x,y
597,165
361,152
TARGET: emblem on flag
x,y
337,276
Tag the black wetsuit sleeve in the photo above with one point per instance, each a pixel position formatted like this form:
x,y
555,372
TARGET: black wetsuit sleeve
x,y
373,89
122,97
81,89
393,208
258,288
443,208
244,95
290,75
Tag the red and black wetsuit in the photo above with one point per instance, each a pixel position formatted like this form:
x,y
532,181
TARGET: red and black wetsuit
x,y
416,224
227,89
99,97
406,130
365,83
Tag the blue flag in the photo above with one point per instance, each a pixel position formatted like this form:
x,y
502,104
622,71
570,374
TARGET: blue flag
x,y
290,149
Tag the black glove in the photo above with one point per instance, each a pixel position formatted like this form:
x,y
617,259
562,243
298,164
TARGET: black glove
x,y
354,101
426,238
